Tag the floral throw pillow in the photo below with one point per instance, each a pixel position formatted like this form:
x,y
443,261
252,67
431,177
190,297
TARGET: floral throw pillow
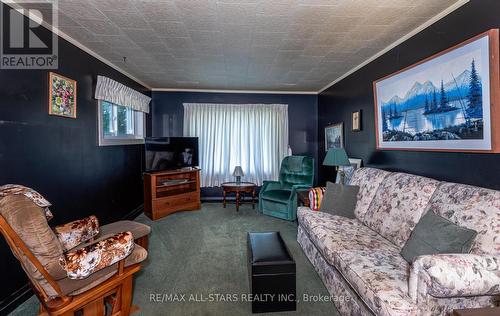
x,y
82,262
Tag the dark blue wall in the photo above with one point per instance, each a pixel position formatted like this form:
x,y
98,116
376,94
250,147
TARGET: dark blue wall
x,y
59,157
355,92
168,114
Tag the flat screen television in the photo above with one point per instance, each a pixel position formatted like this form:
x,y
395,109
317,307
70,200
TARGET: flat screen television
x,y
169,153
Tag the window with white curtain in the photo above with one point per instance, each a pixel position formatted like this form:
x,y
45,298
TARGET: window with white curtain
x,y
121,113
253,136
119,125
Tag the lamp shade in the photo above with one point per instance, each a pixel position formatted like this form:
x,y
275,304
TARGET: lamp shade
x,y
238,172
336,157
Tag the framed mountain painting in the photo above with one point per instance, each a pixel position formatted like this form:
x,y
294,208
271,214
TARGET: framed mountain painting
x,y
447,102
62,96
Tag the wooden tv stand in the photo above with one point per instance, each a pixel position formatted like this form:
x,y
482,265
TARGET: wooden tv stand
x,y
171,191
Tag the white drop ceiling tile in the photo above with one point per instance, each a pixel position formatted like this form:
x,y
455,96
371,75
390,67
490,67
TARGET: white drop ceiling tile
x,y
342,24
293,44
367,32
241,44
273,8
384,15
80,10
116,41
129,51
355,8
264,51
141,35
267,38
153,47
116,5
277,23
337,55
100,27
126,19
64,20
301,31
208,50
254,70
321,2
327,38
170,29
178,42
195,7
201,23
158,11
183,53
236,13
206,37
81,34
289,55
311,15
317,51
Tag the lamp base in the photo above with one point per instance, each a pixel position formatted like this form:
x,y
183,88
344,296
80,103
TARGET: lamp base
x,y
341,174
238,180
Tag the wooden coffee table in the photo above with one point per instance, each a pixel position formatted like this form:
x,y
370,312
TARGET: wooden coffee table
x,y
239,189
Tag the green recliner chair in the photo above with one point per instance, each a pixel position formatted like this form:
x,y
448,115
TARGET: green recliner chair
x,y
279,198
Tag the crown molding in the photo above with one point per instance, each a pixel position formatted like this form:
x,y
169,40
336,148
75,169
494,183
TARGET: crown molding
x,y
417,30
234,91
76,43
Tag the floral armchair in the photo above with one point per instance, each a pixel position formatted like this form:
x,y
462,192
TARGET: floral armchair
x,y
71,265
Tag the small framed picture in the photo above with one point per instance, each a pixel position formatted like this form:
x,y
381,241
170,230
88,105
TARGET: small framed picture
x,y
62,96
356,121
334,136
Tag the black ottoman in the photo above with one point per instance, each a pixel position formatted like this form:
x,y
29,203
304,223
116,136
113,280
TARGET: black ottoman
x,y
271,273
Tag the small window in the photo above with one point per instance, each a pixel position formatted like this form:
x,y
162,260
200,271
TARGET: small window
x,y
119,125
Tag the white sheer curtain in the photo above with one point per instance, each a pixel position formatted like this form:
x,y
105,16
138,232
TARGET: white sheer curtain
x,y
253,136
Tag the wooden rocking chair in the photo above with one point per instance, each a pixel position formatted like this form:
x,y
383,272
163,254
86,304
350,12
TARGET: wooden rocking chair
x,y
107,291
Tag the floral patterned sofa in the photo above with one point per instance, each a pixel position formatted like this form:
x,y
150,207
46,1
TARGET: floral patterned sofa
x,y
359,261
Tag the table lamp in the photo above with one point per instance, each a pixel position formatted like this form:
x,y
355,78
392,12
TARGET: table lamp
x,y
238,173
337,157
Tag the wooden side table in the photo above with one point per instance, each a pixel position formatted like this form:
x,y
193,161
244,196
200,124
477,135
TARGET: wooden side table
x,y
303,198
239,189
488,311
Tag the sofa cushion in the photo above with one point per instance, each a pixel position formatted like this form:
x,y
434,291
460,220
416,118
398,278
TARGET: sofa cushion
x,y
380,277
78,286
436,235
29,222
398,205
77,232
368,180
281,196
472,207
340,199
333,234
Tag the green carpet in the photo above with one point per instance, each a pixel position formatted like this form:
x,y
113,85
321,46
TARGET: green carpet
x,y
203,253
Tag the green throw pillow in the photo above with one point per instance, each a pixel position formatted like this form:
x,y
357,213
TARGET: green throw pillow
x,y
339,199
435,234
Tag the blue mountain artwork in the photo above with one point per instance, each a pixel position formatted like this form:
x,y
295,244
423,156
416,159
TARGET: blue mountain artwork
x,y
445,111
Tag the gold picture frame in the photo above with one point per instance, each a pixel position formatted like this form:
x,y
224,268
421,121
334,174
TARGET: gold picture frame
x,y
356,121
62,96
